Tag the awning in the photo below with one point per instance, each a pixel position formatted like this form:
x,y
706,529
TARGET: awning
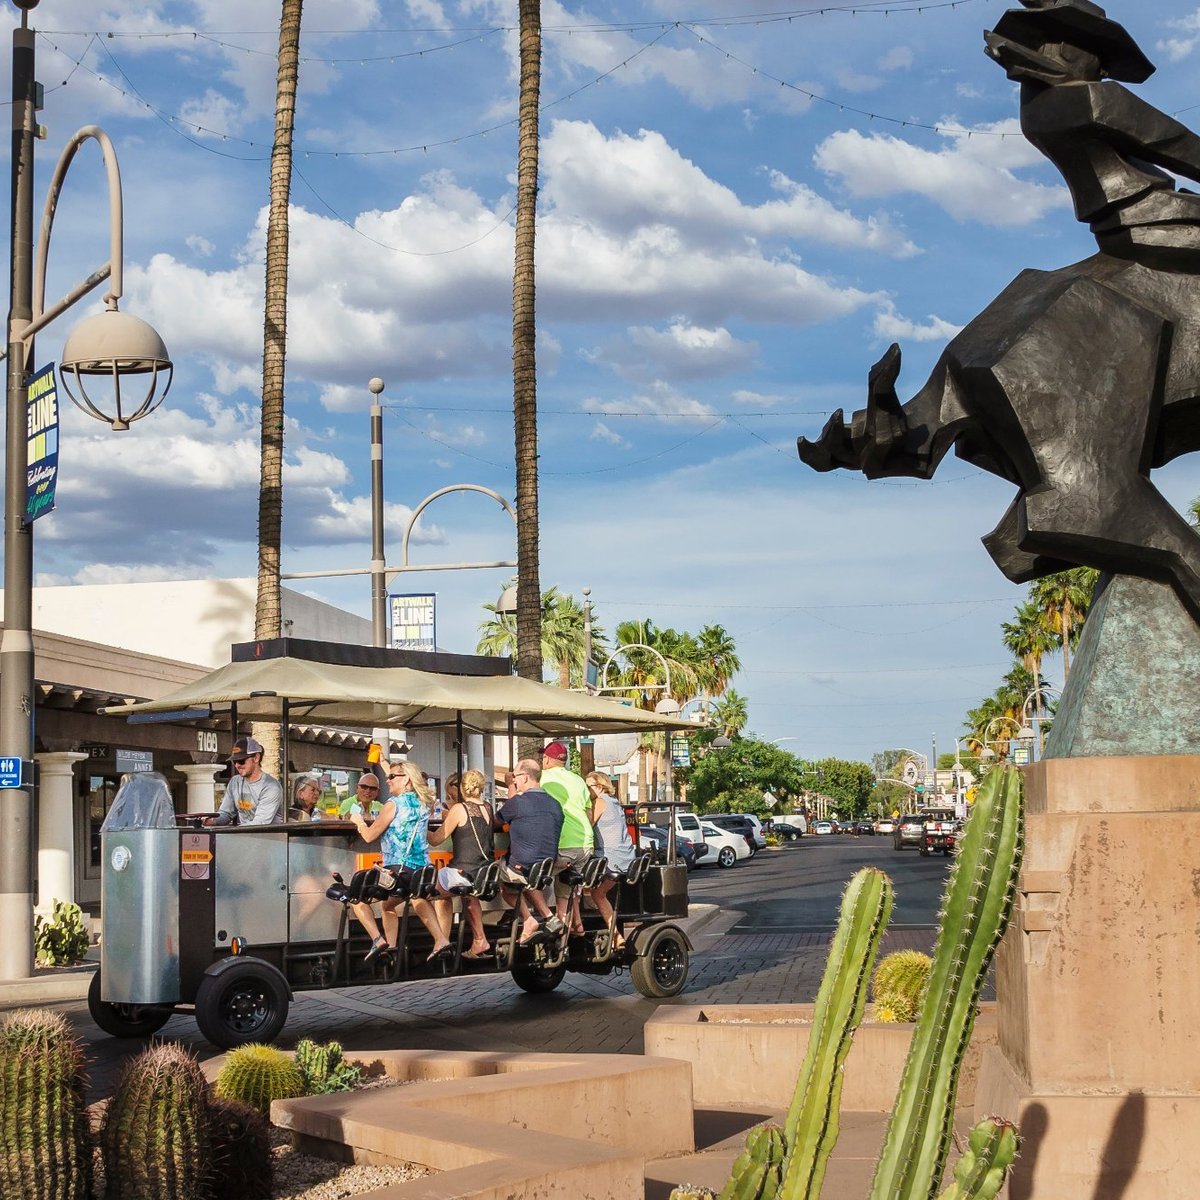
x,y
400,698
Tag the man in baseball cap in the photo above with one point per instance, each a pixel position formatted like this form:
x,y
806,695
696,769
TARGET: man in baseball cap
x,y
576,840
252,797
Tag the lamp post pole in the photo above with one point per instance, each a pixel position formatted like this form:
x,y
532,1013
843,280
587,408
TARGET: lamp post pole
x,y
16,647
378,561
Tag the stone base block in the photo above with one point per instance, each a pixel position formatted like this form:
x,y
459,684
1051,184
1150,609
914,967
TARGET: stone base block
x,y
1128,1146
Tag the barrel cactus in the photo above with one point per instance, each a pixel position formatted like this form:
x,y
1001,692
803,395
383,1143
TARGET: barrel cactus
x,y
241,1151
899,983
155,1137
45,1143
324,1069
256,1075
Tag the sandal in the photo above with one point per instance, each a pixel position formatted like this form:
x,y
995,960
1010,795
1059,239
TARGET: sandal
x,y
441,952
378,946
486,952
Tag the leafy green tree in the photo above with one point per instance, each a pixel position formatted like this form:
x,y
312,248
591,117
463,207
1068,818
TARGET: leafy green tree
x,y
563,640
1030,639
735,778
848,784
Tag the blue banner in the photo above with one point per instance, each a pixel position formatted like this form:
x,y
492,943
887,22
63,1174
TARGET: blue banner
x,y
41,422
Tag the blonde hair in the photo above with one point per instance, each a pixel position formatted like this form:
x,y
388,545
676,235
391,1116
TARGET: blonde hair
x,y
472,785
416,781
595,779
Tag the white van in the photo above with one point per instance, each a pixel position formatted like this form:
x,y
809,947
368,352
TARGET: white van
x,y
789,825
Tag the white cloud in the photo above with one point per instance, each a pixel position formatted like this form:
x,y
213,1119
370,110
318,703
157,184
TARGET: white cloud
x,y
892,327
970,178
602,433
201,245
659,399
1178,48
747,399
898,58
681,351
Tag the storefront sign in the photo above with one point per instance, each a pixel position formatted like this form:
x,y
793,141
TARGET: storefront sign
x,y
131,762
413,621
41,422
681,750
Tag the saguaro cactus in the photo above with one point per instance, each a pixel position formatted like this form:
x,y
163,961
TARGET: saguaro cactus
x,y
45,1144
155,1137
975,913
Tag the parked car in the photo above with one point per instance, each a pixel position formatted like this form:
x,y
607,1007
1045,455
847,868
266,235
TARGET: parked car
x,y
721,846
655,837
789,826
687,825
909,831
823,827
742,823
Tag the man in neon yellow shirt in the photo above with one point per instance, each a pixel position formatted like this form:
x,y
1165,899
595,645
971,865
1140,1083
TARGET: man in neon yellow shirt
x,y
576,840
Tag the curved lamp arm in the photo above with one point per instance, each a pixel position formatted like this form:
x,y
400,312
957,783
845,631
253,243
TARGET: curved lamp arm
x,y
113,268
454,487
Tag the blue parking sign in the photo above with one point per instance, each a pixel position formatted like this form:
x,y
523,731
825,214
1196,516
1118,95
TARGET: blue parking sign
x,y
11,775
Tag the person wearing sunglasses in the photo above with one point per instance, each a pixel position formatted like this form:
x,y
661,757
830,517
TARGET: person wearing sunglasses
x,y
402,828
252,797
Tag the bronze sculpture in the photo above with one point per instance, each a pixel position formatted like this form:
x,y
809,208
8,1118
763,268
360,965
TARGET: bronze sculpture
x,y
1073,383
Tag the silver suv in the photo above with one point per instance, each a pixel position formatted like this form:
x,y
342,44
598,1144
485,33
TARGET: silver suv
x,y
748,825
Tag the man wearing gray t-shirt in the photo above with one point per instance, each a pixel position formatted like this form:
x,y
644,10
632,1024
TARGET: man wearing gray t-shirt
x,y
253,797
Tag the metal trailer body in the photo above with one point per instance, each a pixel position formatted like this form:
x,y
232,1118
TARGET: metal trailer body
x,y
230,921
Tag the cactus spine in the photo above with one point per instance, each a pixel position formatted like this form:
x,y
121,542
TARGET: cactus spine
x,y
975,913
256,1075
155,1136
991,1149
45,1143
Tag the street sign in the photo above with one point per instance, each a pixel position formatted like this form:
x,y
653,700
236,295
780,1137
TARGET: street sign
x,y
12,774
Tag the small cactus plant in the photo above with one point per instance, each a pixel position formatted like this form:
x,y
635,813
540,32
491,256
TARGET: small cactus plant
x,y
256,1075
899,983
241,1151
155,1138
991,1149
61,938
324,1069
45,1143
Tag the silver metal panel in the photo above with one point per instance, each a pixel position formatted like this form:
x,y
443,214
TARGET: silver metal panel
x,y
313,858
251,875
314,918
139,896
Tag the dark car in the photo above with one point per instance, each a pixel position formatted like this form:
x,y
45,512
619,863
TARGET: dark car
x,y
654,837
910,831
736,823
865,827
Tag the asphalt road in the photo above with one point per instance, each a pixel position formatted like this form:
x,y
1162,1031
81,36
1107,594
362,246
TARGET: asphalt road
x,y
766,945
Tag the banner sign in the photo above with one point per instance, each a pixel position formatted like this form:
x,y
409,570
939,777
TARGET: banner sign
x,y
681,750
413,621
41,422
133,762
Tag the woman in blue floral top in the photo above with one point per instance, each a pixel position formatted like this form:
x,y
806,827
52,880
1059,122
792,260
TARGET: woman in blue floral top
x,y
403,826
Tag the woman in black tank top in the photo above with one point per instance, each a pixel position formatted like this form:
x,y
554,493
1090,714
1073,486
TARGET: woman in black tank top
x,y
468,825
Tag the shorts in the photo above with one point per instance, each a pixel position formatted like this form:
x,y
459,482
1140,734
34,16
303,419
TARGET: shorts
x,y
452,877
568,856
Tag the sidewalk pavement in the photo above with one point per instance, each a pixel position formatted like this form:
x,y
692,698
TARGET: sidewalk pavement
x,y
52,985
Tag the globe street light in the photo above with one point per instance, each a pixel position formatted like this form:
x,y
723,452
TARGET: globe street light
x,y
112,344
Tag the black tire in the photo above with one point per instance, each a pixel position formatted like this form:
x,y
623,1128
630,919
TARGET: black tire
x,y
538,980
925,851
726,857
663,969
125,1020
246,1002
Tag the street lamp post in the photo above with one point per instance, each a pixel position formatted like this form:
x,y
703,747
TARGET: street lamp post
x,y
1031,723
112,344
1024,734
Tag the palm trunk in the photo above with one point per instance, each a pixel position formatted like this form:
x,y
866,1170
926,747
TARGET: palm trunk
x,y
1065,628
529,603
270,491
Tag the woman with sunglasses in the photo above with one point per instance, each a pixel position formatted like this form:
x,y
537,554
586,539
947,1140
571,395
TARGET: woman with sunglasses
x,y
402,824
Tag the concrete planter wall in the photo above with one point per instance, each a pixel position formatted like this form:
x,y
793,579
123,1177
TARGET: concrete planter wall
x,y
750,1055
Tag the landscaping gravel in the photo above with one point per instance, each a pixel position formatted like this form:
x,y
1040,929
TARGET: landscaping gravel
x,y
306,1177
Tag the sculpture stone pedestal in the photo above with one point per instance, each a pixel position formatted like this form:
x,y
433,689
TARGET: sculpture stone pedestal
x,y
1098,983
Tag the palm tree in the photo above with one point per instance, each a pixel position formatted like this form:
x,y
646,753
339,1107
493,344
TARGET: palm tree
x,y
270,487
718,662
562,635
1194,512
1028,638
730,713
1064,599
529,633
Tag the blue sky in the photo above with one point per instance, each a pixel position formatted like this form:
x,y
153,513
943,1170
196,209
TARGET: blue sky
x,y
741,206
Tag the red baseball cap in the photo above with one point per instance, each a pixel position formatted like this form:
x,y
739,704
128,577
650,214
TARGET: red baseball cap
x,y
555,750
